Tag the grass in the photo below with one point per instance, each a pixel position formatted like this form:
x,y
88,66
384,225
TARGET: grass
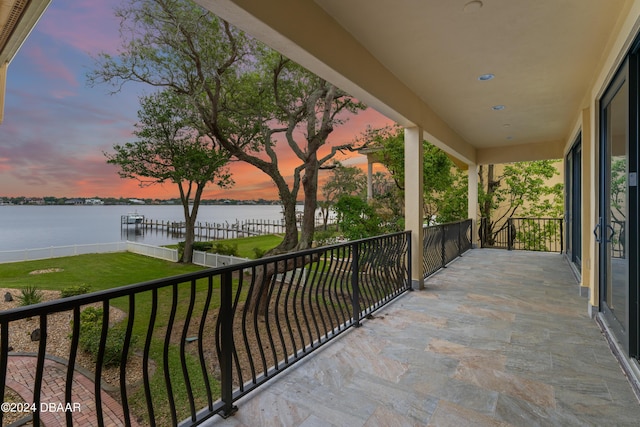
x,y
246,245
99,271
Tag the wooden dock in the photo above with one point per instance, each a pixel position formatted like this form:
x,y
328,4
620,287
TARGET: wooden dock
x,y
215,231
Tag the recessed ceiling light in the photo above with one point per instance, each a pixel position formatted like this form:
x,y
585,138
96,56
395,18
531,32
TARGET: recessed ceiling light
x,y
498,107
472,6
486,77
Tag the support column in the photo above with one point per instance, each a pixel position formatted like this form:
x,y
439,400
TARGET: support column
x,y
472,199
413,201
590,209
369,178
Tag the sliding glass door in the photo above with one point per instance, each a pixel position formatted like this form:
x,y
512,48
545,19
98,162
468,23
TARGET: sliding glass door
x,y
616,231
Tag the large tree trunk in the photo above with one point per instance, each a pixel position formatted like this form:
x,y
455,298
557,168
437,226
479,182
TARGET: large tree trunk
x,y
290,239
190,216
264,280
489,232
310,188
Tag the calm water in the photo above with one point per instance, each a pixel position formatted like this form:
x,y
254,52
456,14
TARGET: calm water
x,y
31,227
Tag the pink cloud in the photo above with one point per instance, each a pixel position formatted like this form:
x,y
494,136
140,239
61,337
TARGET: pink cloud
x,y
51,66
89,26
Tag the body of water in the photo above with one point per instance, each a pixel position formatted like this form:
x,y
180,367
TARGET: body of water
x,y
30,227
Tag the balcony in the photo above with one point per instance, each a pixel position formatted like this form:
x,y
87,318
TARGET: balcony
x,y
497,338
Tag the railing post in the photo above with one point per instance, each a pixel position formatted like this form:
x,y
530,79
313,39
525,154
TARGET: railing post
x,y
459,240
442,246
409,255
509,240
226,345
561,236
355,286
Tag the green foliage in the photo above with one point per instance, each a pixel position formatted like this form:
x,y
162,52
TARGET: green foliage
x,y
223,248
445,187
202,246
91,331
618,187
535,235
30,294
520,191
71,291
357,219
171,147
259,253
344,181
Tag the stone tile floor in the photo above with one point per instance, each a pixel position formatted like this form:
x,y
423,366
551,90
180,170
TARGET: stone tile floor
x,y
498,338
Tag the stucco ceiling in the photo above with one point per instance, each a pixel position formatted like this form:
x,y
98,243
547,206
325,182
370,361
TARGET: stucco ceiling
x,y
545,55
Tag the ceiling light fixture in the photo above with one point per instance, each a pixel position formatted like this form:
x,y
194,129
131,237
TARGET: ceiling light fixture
x,y
485,77
472,6
498,107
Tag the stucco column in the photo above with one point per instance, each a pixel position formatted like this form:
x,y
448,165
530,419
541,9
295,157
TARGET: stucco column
x,y
413,200
472,198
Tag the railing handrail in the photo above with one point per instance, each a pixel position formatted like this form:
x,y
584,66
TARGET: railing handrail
x,y
56,306
345,282
525,233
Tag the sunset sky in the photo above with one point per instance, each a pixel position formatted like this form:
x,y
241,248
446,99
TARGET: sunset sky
x,y
56,127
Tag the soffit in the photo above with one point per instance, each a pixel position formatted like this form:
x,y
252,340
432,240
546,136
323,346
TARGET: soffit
x,y
17,19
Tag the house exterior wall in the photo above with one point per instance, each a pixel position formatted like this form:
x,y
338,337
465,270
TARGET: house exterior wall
x,y
587,122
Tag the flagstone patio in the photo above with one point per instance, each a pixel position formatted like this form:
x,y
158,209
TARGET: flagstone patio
x,y
497,338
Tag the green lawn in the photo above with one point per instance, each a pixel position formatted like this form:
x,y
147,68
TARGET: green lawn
x,y
99,271
247,244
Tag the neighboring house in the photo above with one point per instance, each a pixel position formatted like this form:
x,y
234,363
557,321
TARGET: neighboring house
x,y
93,202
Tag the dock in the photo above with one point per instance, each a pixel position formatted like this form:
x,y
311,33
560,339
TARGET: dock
x,y
216,231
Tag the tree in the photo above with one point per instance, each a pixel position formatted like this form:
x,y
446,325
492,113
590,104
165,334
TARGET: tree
x,y
344,181
170,149
357,219
248,98
444,185
521,189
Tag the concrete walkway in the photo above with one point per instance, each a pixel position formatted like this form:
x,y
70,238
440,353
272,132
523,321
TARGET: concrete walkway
x,y
499,338
20,377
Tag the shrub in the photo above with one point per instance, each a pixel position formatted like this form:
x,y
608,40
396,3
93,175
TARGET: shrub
x,y
202,246
90,331
225,249
259,253
72,291
30,295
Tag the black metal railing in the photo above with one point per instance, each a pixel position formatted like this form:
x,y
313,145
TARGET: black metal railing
x,y
443,243
531,234
202,340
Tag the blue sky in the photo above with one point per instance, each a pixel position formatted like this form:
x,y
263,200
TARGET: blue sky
x,y
56,127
